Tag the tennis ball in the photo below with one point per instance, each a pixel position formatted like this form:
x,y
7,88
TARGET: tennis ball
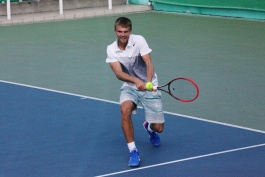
x,y
149,86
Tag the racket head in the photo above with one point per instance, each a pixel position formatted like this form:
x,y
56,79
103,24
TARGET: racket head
x,y
183,89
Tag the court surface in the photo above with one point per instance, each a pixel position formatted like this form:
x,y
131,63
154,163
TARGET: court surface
x,y
57,120
50,133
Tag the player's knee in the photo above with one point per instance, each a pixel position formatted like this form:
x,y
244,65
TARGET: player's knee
x,y
127,107
125,111
159,128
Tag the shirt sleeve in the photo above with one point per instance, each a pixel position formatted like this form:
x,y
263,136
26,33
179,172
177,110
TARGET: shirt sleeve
x,y
144,48
110,56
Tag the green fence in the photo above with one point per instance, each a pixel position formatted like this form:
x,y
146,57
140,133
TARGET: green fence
x,y
138,1
233,8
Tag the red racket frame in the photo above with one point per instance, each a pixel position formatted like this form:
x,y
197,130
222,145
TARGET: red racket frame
x,y
179,99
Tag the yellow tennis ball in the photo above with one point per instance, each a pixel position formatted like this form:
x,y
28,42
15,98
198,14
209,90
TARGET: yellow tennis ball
x,y
149,86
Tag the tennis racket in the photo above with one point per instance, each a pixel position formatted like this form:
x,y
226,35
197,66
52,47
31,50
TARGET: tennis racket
x,y
183,89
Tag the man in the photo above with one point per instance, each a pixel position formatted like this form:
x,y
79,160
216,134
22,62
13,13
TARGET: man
x,y
129,58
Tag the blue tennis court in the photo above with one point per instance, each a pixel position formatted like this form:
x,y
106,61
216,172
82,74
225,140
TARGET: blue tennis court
x,y
51,133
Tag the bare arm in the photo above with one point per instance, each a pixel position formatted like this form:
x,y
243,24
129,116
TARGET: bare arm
x,y
116,68
149,67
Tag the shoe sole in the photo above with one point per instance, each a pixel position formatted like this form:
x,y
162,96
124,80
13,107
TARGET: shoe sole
x,y
134,165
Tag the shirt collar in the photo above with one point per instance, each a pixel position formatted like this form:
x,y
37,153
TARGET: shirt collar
x,y
130,43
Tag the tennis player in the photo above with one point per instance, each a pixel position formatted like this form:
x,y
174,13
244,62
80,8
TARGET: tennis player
x,y
129,58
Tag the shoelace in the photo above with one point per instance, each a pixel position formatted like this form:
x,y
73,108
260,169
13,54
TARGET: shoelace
x,y
134,155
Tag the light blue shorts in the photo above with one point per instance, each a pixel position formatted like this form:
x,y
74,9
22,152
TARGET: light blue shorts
x,y
151,102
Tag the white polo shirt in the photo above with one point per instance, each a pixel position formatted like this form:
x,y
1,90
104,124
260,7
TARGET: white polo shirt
x,y
131,58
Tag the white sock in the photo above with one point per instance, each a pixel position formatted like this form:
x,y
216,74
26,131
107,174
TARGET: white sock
x,y
131,146
149,128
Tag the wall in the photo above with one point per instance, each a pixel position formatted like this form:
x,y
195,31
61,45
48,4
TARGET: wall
x,y
53,5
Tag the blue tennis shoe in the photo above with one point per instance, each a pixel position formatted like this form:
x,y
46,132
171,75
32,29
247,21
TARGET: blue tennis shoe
x,y
153,137
134,159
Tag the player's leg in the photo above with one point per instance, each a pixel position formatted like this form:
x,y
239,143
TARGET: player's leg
x,y
157,127
154,116
127,106
126,121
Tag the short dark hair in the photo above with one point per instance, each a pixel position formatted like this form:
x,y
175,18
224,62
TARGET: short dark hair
x,y
124,22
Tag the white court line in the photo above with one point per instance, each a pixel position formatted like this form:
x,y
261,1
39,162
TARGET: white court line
x,y
87,97
216,122
57,91
182,160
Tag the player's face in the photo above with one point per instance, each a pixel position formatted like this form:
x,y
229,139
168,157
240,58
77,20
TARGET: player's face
x,y
123,34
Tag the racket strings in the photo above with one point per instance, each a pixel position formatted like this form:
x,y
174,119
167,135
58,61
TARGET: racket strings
x,y
183,89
